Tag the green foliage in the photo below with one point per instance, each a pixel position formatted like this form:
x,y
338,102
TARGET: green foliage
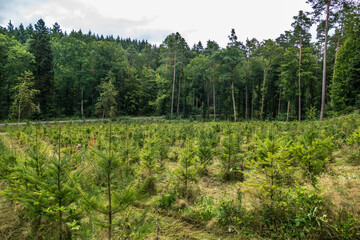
x,y
24,97
187,172
106,105
203,210
312,152
204,152
14,61
167,199
229,153
354,139
7,162
40,47
69,70
228,213
110,177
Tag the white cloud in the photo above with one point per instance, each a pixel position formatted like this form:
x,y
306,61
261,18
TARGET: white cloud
x,y
194,19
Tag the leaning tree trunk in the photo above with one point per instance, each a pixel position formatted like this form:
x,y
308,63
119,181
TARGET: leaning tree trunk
x,y
323,89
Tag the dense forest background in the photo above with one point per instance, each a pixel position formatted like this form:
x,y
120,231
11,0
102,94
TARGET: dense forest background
x,y
47,73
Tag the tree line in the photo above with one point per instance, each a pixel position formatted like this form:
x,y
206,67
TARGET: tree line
x,y
47,73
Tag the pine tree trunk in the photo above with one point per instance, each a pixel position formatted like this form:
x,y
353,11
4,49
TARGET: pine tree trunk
x,y
82,103
263,95
109,208
208,100
279,103
300,77
37,225
252,102
179,91
335,61
323,89
19,111
59,185
246,88
109,188
233,100
214,91
173,88
288,111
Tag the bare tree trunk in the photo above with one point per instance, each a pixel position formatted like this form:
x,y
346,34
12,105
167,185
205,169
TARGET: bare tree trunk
x,y
252,102
19,111
279,104
233,99
173,87
300,77
82,103
288,111
179,91
246,88
208,99
263,95
336,55
323,89
213,74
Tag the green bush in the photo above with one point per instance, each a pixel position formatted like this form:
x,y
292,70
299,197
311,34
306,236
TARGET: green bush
x,y
167,199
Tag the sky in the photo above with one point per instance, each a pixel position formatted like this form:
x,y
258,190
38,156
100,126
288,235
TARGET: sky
x,y
153,20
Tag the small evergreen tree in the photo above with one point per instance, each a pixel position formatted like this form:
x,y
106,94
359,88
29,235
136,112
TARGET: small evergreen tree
x,y
229,152
112,192
187,171
24,96
204,152
106,105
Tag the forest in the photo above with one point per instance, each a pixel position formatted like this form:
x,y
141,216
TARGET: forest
x,y
257,140
47,73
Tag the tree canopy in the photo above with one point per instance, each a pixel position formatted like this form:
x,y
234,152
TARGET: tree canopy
x,y
290,76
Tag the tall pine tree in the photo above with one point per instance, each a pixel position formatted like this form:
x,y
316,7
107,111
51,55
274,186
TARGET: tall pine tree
x,y
43,72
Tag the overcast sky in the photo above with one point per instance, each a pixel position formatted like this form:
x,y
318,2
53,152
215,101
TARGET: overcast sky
x,y
195,20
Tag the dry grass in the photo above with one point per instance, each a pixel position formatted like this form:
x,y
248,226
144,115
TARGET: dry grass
x,y
341,186
11,227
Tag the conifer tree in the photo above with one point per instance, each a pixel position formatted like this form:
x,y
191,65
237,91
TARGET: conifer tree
x,y
106,105
187,172
24,97
43,72
301,25
111,191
